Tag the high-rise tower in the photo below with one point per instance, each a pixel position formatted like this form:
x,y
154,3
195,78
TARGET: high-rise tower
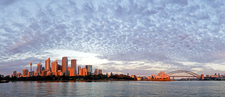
x,y
74,65
47,64
65,65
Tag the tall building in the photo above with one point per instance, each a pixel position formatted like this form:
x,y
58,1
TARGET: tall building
x,y
83,71
96,72
89,69
38,70
72,71
25,72
14,74
99,71
47,64
74,65
65,65
79,70
54,67
30,66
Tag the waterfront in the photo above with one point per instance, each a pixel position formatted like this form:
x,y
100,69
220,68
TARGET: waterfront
x,y
113,88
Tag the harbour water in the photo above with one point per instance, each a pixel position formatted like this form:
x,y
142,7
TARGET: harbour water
x,y
113,88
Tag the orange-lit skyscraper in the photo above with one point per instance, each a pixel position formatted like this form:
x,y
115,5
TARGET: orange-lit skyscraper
x,y
99,71
54,68
25,72
83,71
74,65
65,65
14,74
38,70
72,71
79,70
47,64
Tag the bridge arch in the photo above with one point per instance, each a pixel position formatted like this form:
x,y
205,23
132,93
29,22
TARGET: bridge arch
x,y
184,71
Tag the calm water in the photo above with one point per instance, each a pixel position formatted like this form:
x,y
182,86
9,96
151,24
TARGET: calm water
x,y
115,88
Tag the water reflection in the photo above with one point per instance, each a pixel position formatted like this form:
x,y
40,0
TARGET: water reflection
x,y
117,88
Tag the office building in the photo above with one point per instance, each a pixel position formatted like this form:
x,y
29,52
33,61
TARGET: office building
x,y
74,65
14,74
54,67
65,65
38,70
83,71
99,71
47,64
72,71
79,70
25,72
96,72
89,69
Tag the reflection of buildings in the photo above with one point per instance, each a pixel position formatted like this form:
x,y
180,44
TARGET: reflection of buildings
x,y
89,69
65,65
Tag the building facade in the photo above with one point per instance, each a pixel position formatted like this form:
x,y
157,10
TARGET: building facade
x,y
89,69
65,65
74,65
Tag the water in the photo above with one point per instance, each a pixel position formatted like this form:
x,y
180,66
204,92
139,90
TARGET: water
x,y
115,88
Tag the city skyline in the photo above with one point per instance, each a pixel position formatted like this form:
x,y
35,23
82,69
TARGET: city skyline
x,y
141,37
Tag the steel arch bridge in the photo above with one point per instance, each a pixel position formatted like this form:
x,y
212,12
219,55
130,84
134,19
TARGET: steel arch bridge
x,y
184,71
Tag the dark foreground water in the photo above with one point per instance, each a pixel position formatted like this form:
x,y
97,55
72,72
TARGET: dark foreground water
x,y
115,88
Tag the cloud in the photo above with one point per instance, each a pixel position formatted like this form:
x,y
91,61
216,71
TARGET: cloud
x,y
129,30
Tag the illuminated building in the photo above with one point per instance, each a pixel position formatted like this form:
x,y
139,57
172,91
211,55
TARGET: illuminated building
x,y
38,70
89,69
54,68
43,72
99,71
68,71
202,76
30,66
19,74
83,71
65,65
60,73
72,71
79,70
74,65
25,72
47,64
96,72
14,74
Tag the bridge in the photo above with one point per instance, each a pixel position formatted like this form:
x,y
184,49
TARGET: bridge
x,y
192,74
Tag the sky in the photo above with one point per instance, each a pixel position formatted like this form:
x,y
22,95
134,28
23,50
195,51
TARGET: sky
x,y
140,37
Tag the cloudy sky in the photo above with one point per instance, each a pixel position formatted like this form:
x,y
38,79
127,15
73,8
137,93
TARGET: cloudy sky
x,y
139,37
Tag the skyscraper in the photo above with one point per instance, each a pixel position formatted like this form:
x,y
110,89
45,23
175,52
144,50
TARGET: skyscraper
x,y
74,65
54,67
25,72
38,70
96,72
83,71
14,74
72,71
65,65
89,69
79,70
47,64
99,71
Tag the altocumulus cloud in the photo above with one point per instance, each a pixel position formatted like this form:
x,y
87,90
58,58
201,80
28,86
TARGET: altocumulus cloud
x,y
169,32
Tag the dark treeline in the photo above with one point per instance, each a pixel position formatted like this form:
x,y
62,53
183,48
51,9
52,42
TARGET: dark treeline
x,y
74,78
